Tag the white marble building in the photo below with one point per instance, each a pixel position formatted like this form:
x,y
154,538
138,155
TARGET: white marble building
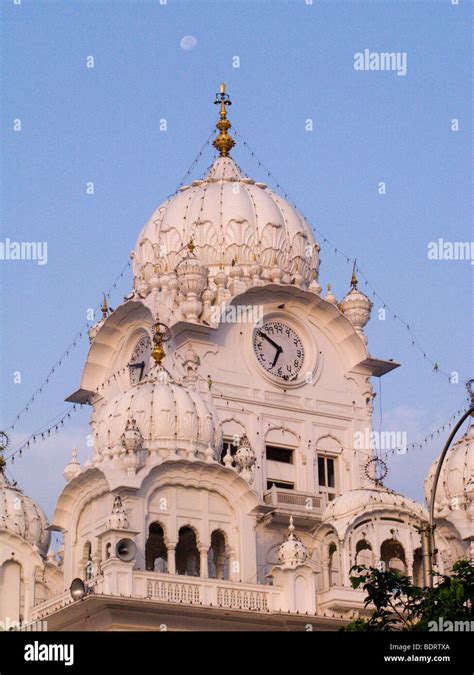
x,y
224,456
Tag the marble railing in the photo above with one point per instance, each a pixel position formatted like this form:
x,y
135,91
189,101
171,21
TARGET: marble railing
x,y
47,607
208,592
159,587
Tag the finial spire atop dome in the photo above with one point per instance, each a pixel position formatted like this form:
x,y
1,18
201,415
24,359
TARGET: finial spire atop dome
x,y
224,143
354,277
105,308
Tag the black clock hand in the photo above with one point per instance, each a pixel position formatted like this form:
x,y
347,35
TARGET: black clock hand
x,y
279,351
269,340
137,365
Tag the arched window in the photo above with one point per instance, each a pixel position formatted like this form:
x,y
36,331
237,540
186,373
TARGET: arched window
x,y
393,555
218,563
187,553
87,564
156,554
333,567
364,554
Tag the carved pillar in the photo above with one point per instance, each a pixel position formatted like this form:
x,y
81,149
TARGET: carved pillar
x,y
171,549
325,574
203,571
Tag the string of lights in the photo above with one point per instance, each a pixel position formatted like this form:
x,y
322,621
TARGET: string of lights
x,y
42,435
420,443
414,340
39,390
45,431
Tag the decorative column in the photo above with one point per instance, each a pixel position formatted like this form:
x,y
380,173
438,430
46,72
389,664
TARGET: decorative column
x,y
325,574
171,557
203,568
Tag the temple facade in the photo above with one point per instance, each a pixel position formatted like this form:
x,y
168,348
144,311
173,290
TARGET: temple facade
x,y
227,489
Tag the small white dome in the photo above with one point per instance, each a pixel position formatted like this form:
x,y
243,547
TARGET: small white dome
x,y
230,218
170,418
455,489
356,306
355,502
292,551
21,515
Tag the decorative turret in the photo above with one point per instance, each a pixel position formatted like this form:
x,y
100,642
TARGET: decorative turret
x,y
356,306
131,437
192,280
93,330
246,459
329,297
73,469
292,552
118,520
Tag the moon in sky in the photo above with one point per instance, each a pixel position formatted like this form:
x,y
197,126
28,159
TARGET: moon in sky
x,y
188,42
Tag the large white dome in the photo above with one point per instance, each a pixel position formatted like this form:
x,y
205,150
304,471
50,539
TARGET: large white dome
x,y
455,491
355,502
22,516
171,418
232,220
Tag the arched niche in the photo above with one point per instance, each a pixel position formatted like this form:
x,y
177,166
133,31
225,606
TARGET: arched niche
x,y
12,591
334,564
187,552
392,554
156,553
218,558
301,594
281,436
364,554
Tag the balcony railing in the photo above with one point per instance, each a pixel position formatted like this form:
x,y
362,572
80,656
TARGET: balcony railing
x,y
208,592
162,587
294,501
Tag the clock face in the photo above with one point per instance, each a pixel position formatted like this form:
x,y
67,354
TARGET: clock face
x,y
279,350
139,360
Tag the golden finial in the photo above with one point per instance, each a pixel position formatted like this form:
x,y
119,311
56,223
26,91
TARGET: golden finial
x,y
224,143
191,246
105,308
354,277
158,353
159,336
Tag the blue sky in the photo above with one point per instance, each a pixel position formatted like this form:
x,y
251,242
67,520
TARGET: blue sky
x,y
296,63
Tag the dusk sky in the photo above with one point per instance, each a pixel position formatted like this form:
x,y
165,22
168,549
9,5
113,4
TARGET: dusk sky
x,y
296,63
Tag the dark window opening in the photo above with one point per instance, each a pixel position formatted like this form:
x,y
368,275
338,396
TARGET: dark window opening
x,y
187,553
327,476
276,454
321,471
280,484
156,554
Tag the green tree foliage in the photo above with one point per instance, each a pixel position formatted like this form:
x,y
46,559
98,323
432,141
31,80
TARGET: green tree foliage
x,y
398,605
